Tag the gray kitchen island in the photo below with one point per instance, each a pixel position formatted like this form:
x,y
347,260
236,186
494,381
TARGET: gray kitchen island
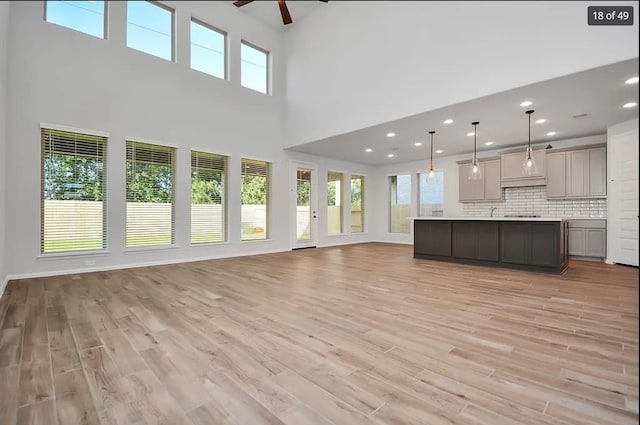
x,y
537,244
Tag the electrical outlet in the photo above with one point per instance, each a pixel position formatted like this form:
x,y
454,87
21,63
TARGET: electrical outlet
x,y
90,263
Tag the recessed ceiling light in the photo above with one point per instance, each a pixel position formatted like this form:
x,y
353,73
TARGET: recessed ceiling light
x,y
448,121
368,150
526,103
391,134
417,144
488,143
471,134
390,155
551,133
632,80
629,105
540,121
439,151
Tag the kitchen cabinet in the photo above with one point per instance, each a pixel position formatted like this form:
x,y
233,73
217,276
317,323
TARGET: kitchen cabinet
x,y
586,173
537,244
511,169
577,173
485,189
588,238
432,237
556,175
477,240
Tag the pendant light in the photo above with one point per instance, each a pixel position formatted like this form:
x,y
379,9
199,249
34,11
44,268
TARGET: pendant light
x,y
431,171
475,173
529,167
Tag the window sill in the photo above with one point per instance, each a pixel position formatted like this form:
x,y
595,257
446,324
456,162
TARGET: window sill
x,y
337,234
69,255
150,248
249,241
209,244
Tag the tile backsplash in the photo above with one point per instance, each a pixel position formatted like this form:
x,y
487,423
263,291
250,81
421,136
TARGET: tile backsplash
x,y
533,200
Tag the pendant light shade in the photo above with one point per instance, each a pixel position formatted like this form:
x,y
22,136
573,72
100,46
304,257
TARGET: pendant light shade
x,y
529,167
475,172
431,170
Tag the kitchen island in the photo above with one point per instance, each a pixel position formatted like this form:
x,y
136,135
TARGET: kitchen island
x,y
538,244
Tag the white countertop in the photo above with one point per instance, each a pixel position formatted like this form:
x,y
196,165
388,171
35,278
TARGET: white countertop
x,y
469,218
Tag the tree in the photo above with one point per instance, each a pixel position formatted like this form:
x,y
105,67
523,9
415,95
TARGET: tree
x,y
149,183
254,190
71,177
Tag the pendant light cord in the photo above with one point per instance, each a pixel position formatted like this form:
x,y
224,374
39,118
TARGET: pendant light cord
x,y
431,158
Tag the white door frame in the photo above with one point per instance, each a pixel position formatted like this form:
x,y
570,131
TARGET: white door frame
x,y
313,242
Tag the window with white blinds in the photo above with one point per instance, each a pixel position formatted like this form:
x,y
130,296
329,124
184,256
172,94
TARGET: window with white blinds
x,y
208,197
357,203
150,194
73,210
399,203
334,202
254,215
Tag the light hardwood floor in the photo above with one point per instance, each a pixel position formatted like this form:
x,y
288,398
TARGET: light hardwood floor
x,y
360,334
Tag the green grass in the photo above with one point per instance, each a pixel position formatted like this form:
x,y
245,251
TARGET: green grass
x,y
63,245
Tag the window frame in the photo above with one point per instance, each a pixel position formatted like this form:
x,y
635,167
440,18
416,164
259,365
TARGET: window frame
x,y
174,163
393,199
363,185
173,28
268,196
105,21
267,70
104,181
419,192
225,44
224,198
341,197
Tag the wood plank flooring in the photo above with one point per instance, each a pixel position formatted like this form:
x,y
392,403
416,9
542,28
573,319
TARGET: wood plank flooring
x,y
360,334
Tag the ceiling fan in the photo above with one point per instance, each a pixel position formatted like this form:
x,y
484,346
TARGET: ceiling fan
x,y
284,10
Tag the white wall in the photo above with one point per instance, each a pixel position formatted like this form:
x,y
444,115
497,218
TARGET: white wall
x,y
60,76
354,64
4,36
449,166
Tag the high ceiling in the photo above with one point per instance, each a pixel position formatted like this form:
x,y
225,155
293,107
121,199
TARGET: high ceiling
x,y
563,102
599,93
269,13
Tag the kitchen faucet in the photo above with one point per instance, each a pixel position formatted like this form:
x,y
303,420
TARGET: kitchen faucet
x,y
492,210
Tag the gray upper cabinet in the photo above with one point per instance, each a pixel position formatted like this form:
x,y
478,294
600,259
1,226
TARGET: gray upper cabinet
x,y
469,190
585,174
492,188
511,164
486,189
556,175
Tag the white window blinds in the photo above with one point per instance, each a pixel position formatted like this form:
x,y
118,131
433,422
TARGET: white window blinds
x,y
208,197
254,214
73,211
150,194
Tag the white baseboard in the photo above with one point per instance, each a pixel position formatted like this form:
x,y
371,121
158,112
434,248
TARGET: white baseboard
x,y
136,265
396,242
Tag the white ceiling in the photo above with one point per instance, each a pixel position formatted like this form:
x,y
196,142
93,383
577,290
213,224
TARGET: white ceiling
x,y
600,93
267,11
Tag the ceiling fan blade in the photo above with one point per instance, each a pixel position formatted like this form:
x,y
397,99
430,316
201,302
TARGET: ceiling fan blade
x,y
284,11
324,1
241,3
